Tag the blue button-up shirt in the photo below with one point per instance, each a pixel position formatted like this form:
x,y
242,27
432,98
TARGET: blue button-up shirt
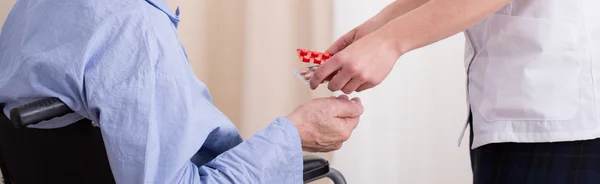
x,y
119,63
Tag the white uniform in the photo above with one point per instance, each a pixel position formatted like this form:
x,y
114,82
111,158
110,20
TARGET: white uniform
x,y
534,72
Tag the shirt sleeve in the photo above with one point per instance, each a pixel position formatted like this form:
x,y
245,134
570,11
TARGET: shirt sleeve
x,y
157,119
153,124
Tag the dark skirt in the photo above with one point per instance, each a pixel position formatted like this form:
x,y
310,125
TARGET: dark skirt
x,y
576,162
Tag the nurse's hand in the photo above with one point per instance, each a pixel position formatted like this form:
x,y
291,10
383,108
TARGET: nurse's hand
x,y
357,65
324,124
355,34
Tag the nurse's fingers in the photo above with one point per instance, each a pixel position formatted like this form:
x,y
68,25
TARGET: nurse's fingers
x,y
340,80
325,70
353,85
365,86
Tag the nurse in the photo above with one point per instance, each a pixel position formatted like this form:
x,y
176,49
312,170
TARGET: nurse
x,y
533,79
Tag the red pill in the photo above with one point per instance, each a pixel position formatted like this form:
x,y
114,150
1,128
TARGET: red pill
x,y
302,52
317,60
306,59
314,54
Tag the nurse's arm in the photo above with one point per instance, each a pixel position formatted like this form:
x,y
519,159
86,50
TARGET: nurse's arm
x,y
437,20
396,9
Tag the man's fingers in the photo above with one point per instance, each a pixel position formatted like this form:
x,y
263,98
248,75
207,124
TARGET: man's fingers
x,y
337,146
332,147
357,100
343,97
353,122
348,109
322,148
324,71
329,148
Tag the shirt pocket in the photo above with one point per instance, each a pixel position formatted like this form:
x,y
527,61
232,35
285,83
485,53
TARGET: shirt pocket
x,y
532,69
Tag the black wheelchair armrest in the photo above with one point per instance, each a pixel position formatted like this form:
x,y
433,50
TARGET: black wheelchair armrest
x,y
38,111
315,167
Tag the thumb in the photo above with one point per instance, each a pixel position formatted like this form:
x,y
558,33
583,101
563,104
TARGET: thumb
x,y
349,108
357,100
341,43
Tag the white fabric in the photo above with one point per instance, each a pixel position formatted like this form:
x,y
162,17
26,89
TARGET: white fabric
x,y
410,118
533,71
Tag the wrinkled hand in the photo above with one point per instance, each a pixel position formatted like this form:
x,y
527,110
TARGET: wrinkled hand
x,y
324,124
360,65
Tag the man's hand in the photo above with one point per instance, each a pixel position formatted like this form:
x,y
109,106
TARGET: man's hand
x,y
324,124
363,64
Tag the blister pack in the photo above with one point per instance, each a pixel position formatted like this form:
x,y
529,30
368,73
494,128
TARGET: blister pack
x,y
311,57
305,74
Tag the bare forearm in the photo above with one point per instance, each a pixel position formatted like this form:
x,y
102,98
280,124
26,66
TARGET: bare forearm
x,y
398,8
436,20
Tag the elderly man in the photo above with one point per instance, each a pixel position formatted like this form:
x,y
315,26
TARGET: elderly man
x,y
119,63
533,72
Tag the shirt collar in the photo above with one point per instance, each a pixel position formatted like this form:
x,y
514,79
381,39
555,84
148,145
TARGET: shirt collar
x,y
162,5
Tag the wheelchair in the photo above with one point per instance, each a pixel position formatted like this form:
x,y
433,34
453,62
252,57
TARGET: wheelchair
x,y
76,153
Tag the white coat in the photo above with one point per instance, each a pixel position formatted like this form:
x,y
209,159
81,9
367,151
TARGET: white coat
x,y
534,72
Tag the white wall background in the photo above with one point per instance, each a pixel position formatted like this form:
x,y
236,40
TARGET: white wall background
x,y
411,125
